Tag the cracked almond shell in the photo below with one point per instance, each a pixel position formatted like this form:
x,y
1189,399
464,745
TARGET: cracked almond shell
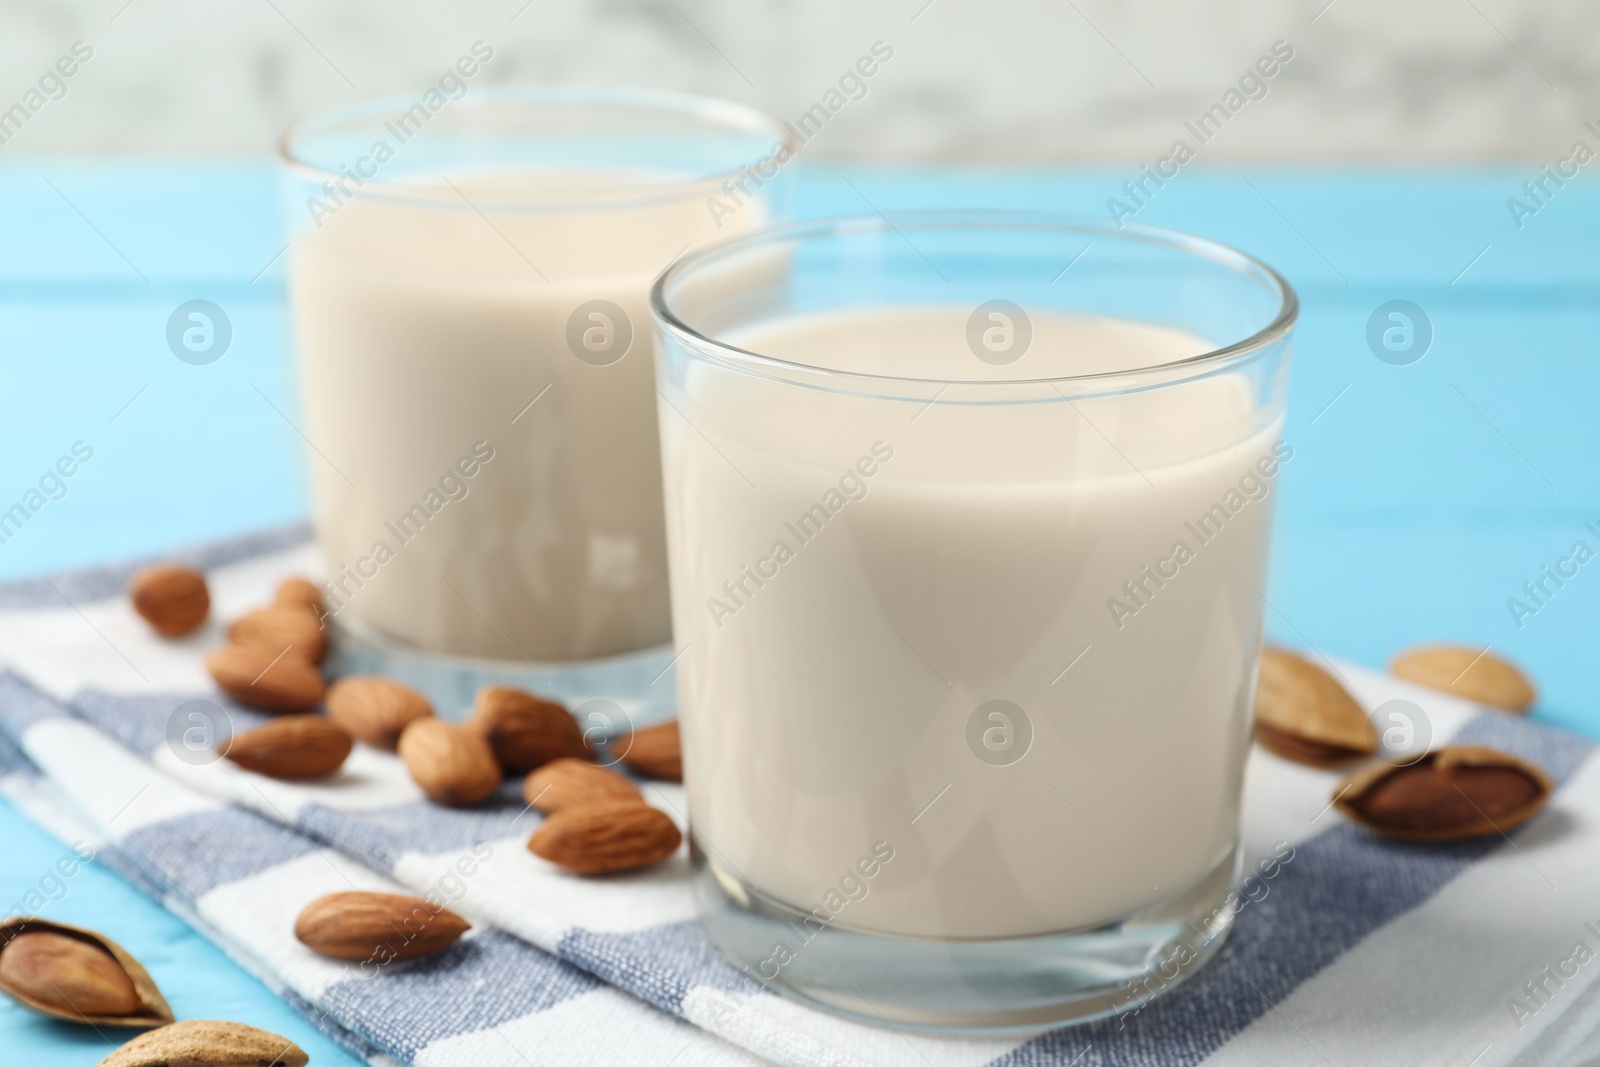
x,y
1304,714
1451,793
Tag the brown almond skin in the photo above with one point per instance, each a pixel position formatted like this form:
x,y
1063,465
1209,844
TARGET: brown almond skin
x,y
376,710
451,765
377,926
1304,714
293,748
573,783
299,593
266,680
174,600
1451,793
277,629
1463,672
70,975
655,752
607,837
523,730
74,974
208,1043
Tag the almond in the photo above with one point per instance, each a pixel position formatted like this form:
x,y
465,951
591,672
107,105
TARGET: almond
x,y
174,600
376,710
76,974
655,752
1304,714
293,747
277,630
523,730
377,926
1467,673
299,593
602,838
208,1043
261,679
451,765
572,783
1451,793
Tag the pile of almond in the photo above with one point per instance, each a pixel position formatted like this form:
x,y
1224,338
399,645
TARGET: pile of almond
x,y
1460,791
598,822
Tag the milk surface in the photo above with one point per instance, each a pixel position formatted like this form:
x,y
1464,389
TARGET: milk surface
x,y
433,339
857,581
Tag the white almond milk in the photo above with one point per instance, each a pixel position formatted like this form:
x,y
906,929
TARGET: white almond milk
x,y
426,329
855,580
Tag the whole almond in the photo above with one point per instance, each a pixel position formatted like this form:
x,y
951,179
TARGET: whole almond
x,y
294,747
523,730
1467,673
451,765
1451,793
376,710
299,593
208,1043
377,926
75,974
606,837
74,977
1304,714
287,629
258,678
655,752
572,783
174,600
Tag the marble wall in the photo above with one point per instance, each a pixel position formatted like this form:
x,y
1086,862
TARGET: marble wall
x,y
1033,81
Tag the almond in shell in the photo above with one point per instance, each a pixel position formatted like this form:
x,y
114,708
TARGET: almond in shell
x,y
1451,793
654,752
1468,673
1304,714
174,600
525,731
294,747
377,926
208,1043
606,837
259,678
75,974
376,710
451,765
572,783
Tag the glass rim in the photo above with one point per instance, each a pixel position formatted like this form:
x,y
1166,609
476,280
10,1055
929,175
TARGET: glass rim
x,y
1199,365
712,112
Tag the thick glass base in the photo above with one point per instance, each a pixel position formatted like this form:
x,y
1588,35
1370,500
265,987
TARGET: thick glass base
x,y
610,695
1013,985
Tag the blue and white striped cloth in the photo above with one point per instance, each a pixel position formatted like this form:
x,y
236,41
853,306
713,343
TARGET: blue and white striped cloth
x,y
1355,949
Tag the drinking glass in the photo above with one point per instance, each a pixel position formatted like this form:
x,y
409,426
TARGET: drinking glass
x,y
468,278
968,518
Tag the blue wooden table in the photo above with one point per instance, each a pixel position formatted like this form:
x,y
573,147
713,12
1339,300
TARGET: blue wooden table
x,y
1422,496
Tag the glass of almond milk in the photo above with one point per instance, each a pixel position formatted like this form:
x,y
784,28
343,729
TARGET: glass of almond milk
x,y
468,274
968,518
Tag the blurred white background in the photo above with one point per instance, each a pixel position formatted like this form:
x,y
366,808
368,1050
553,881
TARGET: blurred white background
x,y
1033,81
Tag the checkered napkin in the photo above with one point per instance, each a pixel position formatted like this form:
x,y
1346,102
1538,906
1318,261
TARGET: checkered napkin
x,y
1355,949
